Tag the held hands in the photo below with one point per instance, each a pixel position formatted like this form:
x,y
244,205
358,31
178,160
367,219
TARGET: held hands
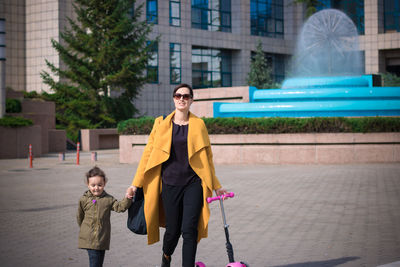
x,y
130,192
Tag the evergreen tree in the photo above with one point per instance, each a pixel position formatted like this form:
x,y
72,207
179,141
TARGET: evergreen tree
x,y
260,74
104,53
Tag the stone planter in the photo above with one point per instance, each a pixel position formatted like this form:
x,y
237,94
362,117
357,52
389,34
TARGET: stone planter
x,y
14,142
94,139
307,148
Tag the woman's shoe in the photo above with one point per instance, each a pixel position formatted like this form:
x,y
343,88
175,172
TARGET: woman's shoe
x,y
166,261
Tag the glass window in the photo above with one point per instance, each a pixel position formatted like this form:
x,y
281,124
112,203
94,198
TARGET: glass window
x,y
175,13
211,67
277,62
152,64
322,4
131,11
152,11
211,15
266,18
175,63
392,15
353,8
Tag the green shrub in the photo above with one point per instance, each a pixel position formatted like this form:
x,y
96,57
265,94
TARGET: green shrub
x,y
141,125
277,125
375,124
8,121
13,105
32,94
390,80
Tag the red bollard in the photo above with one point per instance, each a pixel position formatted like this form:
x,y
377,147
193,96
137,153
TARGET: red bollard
x,y
77,153
30,156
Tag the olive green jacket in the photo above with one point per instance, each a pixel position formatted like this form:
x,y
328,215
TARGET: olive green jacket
x,y
94,219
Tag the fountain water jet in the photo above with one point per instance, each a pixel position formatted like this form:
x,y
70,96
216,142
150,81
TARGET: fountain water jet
x,y
327,46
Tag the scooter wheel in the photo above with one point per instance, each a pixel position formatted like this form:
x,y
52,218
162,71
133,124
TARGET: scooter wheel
x,y
244,264
200,264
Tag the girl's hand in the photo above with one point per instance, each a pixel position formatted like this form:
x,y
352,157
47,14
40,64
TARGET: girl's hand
x,y
130,192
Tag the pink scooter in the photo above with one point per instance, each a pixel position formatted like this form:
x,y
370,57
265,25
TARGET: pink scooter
x,y
229,248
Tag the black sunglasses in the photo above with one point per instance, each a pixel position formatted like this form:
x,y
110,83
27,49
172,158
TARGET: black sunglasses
x,y
185,96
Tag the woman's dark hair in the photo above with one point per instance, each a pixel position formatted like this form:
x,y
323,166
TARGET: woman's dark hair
x,y
96,171
181,86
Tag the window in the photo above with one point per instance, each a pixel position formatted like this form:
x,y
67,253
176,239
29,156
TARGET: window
x,y
266,18
175,13
392,15
353,8
175,63
277,64
279,67
152,65
151,11
131,11
277,61
211,15
211,68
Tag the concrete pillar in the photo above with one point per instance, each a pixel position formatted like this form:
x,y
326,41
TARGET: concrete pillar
x,y
2,67
372,25
2,88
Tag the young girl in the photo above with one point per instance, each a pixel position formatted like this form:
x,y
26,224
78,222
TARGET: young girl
x,y
94,216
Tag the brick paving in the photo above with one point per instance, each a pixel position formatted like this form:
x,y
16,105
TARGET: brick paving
x,y
282,215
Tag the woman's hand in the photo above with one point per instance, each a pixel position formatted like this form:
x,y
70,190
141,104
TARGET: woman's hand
x,y
220,191
130,192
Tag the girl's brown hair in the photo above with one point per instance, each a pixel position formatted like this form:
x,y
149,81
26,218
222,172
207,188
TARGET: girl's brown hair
x,y
96,171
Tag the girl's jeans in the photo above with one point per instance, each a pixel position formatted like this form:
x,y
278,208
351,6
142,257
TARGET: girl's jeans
x,y
182,206
96,257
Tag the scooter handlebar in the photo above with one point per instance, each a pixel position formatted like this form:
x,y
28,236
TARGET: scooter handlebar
x,y
228,195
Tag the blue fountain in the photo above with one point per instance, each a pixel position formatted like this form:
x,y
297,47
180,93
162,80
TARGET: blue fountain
x,y
344,96
327,78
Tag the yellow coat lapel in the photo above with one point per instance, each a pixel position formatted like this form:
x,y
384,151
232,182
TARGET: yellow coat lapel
x,y
197,135
162,142
163,137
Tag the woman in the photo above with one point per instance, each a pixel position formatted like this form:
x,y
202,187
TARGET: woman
x,y
177,174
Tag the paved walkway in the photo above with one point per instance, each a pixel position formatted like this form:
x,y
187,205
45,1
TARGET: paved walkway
x,y
292,216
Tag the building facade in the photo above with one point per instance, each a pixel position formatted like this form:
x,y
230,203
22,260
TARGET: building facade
x,y
206,43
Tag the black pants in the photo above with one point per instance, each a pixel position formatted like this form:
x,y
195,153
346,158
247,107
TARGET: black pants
x,y
182,206
96,257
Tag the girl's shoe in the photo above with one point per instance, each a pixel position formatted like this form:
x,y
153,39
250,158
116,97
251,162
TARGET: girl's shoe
x,y
165,262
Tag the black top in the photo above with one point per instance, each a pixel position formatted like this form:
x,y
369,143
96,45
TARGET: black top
x,y
176,170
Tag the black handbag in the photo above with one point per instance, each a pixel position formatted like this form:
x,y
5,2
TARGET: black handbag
x,y
136,220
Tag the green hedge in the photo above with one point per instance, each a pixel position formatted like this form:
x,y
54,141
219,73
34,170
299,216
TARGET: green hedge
x,y
277,125
136,126
13,105
8,121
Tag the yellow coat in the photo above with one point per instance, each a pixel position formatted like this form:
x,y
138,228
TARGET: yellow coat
x,y
148,173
